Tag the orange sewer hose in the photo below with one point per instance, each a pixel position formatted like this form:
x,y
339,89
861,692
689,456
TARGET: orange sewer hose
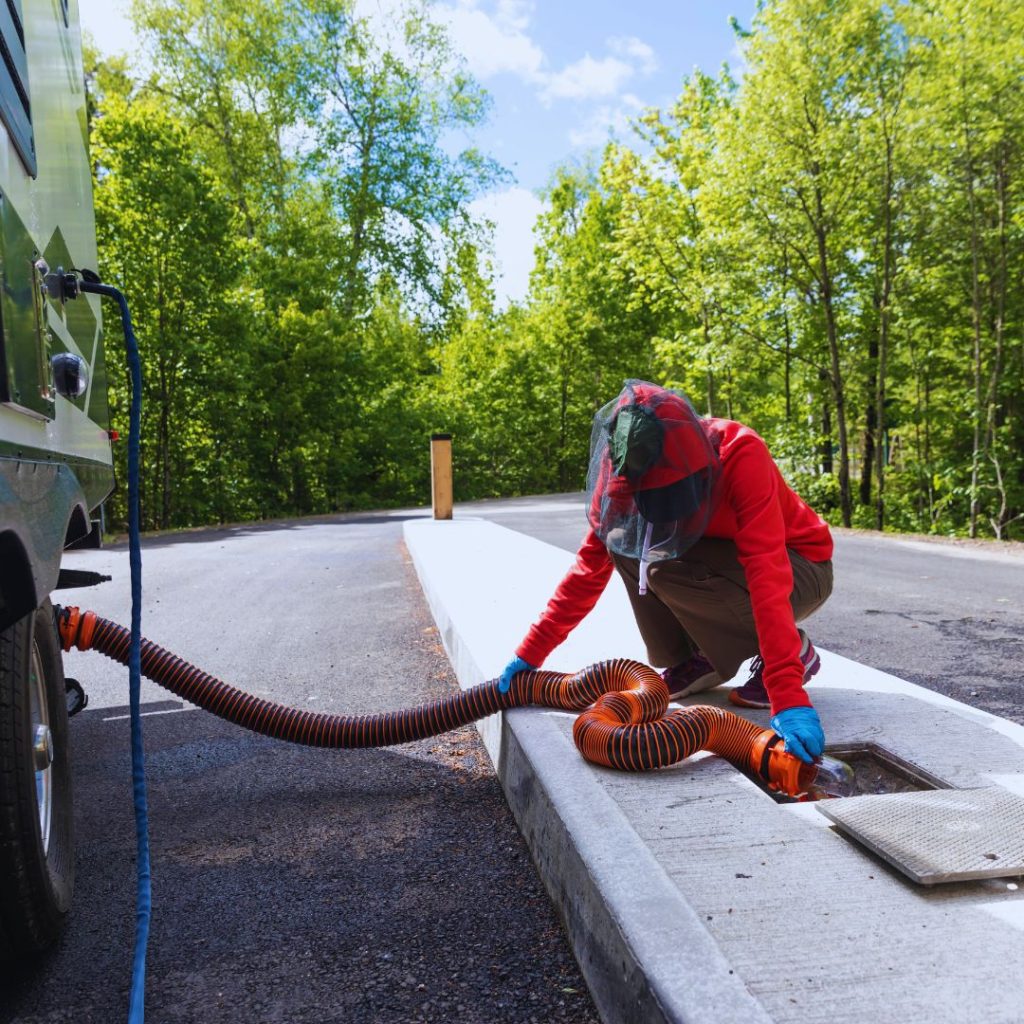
x,y
625,722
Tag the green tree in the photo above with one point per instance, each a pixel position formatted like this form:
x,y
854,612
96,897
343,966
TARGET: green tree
x,y
666,237
830,248
969,258
167,237
585,324
330,138
796,150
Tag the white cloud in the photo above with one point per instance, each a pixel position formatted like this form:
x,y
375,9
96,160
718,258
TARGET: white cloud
x,y
496,43
514,12
636,50
588,79
607,120
514,211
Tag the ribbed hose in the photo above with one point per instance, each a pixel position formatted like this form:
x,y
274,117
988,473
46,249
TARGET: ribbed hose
x,y
625,722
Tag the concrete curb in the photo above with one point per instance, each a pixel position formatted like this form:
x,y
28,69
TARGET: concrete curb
x,y
620,909
689,895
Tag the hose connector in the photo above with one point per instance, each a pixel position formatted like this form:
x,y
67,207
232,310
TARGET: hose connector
x,y
783,772
825,779
75,627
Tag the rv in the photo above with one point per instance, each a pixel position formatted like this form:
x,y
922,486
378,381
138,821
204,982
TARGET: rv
x,y
55,451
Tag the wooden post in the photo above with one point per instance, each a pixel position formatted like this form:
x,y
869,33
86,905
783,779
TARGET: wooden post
x,y
441,475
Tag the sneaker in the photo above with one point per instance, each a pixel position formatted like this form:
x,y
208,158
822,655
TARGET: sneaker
x,y
752,693
691,676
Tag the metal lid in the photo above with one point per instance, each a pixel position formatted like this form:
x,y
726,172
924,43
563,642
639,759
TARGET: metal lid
x,y
948,835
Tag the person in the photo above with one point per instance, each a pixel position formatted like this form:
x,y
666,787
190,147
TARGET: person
x,y
721,559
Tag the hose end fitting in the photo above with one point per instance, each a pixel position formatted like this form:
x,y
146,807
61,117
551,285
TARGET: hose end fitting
x,y
783,772
75,628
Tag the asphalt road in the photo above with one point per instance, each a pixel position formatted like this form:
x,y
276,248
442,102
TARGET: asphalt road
x,y
945,614
385,885
293,884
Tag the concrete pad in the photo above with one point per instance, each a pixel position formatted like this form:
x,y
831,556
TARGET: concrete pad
x,y
688,894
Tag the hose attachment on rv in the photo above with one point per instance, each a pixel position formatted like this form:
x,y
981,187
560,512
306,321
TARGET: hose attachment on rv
x,y
64,286
625,722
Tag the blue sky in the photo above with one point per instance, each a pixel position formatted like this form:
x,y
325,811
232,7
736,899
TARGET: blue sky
x,y
562,75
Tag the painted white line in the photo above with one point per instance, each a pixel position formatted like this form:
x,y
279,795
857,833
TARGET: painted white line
x,y
149,714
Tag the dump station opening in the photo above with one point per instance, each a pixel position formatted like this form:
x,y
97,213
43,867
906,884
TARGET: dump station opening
x,y
875,770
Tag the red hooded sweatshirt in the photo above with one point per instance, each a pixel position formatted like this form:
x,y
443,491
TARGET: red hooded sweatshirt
x,y
756,510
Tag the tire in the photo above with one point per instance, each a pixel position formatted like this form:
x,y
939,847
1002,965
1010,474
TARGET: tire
x,y
36,838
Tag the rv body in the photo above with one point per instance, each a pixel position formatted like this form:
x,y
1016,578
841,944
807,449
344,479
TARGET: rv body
x,y
55,453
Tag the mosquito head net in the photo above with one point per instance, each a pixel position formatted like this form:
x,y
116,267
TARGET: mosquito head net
x,y
652,475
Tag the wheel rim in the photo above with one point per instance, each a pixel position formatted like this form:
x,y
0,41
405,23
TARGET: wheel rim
x,y
42,746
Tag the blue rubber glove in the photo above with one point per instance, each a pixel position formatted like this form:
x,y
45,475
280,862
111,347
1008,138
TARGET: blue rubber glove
x,y
515,665
801,729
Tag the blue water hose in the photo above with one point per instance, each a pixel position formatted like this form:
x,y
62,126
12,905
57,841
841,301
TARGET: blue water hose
x,y
144,895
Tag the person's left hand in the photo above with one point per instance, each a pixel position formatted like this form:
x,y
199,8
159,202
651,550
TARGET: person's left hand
x,y
802,731
515,666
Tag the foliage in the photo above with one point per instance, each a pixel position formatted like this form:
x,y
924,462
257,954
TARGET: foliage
x,y
830,248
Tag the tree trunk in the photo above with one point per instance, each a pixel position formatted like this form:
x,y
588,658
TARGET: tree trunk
x,y
826,428
788,335
932,515
563,421
706,327
998,286
235,170
163,435
836,375
870,424
788,373
923,475
883,334
976,354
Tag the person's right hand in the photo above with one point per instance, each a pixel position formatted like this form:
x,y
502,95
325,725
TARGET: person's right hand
x,y
801,729
515,665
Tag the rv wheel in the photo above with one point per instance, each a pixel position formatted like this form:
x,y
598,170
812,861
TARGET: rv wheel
x,y
36,844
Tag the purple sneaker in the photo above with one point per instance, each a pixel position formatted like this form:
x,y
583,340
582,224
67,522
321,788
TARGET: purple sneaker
x,y
690,676
752,693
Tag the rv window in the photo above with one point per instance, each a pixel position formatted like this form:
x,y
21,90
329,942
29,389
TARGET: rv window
x,y
15,109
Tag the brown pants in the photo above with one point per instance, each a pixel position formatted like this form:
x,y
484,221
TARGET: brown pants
x,y
700,600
